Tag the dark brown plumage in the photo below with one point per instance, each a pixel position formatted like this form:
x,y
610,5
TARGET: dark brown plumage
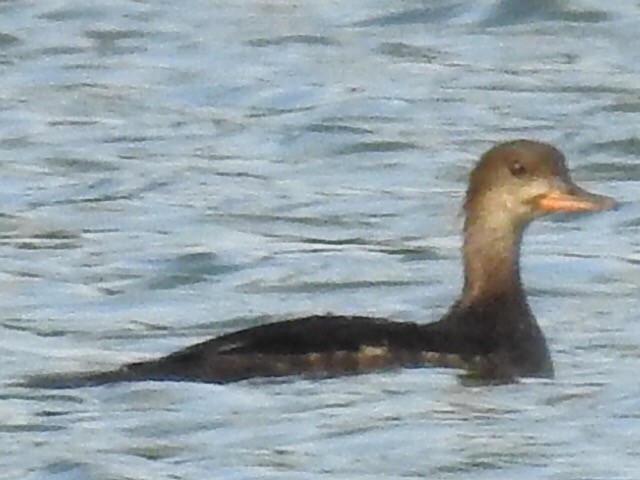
x,y
490,330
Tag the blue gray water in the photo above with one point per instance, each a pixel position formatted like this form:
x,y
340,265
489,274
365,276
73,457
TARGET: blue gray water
x,y
174,170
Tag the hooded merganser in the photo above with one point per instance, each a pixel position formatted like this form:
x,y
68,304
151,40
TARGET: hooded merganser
x,y
489,331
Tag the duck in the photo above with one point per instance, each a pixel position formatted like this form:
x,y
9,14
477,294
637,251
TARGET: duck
x,y
489,331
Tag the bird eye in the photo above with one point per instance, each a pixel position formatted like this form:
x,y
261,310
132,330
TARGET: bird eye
x,y
517,169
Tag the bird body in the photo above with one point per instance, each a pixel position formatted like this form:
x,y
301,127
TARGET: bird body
x,y
489,330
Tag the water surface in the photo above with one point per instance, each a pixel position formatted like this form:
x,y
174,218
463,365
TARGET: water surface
x,y
174,171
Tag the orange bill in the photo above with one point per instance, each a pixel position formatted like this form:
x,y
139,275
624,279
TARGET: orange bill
x,y
580,201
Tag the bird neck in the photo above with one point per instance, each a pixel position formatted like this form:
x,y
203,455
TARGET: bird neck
x,y
491,255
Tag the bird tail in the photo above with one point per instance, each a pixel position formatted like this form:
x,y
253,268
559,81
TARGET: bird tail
x,y
129,373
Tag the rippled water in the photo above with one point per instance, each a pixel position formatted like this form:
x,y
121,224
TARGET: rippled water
x,y
171,171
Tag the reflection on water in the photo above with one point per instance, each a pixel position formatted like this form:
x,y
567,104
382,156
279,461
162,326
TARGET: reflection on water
x,y
173,173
